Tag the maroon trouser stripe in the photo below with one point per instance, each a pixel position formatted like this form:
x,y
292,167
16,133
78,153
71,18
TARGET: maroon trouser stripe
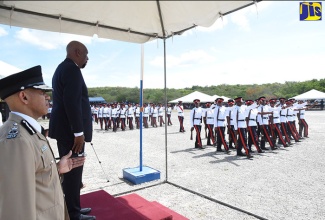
x,y
223,139
266,134
294,134
253,138
283,125
243,141
198,135
305,127
279,134
211,132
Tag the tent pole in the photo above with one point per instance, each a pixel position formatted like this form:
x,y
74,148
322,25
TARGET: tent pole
x,y
165,88
141,102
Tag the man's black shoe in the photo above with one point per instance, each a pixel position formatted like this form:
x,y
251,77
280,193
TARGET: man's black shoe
x,y
249,156
264,148
209,145
260,151
219,150
241,155
232,147
85,211
87,217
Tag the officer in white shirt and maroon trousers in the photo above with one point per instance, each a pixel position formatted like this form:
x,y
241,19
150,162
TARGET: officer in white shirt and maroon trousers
x,y
196,121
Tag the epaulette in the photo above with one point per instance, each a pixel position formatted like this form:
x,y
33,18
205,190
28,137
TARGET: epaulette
x,y
28,127
13,132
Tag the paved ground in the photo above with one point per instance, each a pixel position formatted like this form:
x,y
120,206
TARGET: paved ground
x,y
283,184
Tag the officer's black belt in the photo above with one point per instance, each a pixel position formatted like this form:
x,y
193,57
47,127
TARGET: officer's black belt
x,y
252,119
275,117
221,119
241,120
209,117
197,118
289,115
265,118
283,115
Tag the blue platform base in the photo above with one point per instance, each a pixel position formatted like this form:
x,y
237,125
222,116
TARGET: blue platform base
x,y
135,176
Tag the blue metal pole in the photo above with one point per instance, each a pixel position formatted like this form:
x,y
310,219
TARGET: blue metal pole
x,y
141,103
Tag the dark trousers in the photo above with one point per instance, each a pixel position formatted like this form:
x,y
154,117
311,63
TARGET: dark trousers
x,y
137,122
284,131
101,120
114,123
303,126
198,141
253,138
169,121
210,134
181,126
242,140
72,182
278,134
265,130
145,122
232,136
220,133
161,120
130,119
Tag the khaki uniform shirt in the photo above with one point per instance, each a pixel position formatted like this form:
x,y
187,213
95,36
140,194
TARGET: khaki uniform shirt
x,y
30,187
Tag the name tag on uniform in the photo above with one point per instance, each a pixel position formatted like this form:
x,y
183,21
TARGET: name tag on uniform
x,y
44,148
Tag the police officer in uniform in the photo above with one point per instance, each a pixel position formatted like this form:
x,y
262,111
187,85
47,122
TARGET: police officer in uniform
x,y
180,111
241,128
169,115
196,121
209,122
29,177
219,125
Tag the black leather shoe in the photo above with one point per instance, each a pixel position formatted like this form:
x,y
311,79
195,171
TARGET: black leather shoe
x,y
219,150
260,151
85,211
241,155
249,156
87,217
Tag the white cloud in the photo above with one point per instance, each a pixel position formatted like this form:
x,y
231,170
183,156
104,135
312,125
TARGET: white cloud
x,y
240,17
51,40
3,32
190,58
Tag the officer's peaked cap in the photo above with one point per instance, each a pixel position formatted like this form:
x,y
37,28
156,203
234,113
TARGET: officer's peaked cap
x,y
30,78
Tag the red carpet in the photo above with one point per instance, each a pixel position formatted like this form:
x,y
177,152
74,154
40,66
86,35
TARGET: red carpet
x,y
128,207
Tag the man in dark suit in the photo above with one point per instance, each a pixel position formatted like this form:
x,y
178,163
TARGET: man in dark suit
x,y
71,122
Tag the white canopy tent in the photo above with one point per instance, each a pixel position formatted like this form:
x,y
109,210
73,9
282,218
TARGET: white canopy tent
x,y
194,95
131,21
7,69
217,96
311,94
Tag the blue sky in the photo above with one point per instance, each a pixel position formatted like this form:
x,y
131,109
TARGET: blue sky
x,y
256,45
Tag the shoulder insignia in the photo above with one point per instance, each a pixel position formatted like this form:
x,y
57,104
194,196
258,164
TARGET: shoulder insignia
x,y
28,127
44,148
13,132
